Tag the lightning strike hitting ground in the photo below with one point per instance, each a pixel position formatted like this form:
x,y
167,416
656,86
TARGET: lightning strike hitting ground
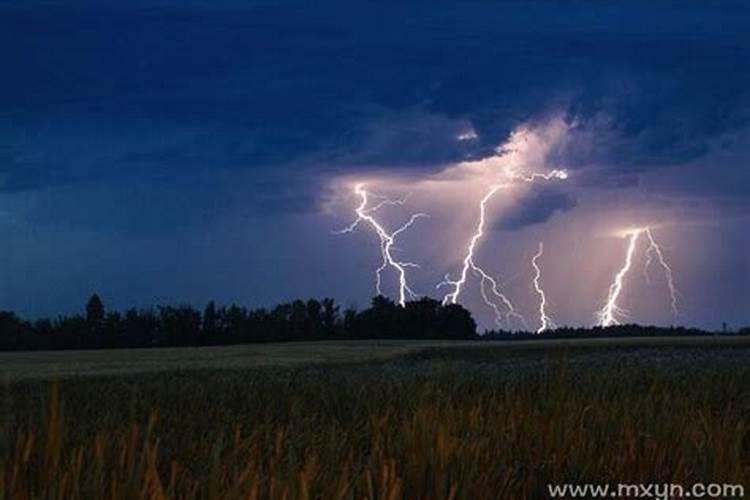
x,y
488,286
609,313
485,279
608,316
544,320
387,240
654,248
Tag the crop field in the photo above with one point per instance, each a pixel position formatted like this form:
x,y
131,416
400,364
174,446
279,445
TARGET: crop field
x,y
375,420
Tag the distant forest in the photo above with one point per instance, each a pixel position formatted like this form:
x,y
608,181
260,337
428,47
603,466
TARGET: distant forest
x,y
183,325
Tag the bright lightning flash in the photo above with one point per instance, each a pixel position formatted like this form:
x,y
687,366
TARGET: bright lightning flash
x,y
485,279
609,314
553,174
487,284
387,240
544,320
610,311
654,248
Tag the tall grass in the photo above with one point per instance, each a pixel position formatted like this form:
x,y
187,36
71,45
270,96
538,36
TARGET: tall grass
x,y
337,435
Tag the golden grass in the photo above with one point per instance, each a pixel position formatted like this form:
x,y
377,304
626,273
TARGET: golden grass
x,y
313,434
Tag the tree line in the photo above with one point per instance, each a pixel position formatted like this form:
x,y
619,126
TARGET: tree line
x,y
183,325
616,331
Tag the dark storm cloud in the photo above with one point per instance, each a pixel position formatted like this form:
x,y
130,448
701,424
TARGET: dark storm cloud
x,y
198,199
538,206
172,150
101,90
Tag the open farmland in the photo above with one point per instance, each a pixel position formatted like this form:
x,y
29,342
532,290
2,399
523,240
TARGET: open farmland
x,y
56,365
374,419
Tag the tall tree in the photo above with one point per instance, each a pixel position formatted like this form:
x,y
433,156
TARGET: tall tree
x,y
210,323
329,315
95,310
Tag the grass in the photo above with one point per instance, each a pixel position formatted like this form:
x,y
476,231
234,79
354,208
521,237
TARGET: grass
x,y
46,365
447,422
91,363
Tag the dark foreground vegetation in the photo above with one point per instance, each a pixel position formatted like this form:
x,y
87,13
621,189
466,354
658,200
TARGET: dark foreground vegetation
x,y
171,326
475,423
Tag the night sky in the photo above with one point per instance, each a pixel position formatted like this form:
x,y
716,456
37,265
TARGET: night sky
x,y
172,151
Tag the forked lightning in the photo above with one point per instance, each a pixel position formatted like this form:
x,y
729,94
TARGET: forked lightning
x,y
487,284
654,248
612,313
485,279
545,322
387,240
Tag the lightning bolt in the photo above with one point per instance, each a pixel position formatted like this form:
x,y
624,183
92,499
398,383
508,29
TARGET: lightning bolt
x,y
552,174
387,240
609,313
654,248
485,279
608,316
546,321
488,287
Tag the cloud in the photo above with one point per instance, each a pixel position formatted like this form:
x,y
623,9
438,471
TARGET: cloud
x,y
409,138
538,206
137,206
293,94
253,84
132,121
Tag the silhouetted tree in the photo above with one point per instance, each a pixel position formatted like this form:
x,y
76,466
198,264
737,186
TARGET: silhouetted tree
x,y
111,330
94,310
456,322
379,321
298,320
140,328
16,334
314,318
210,328
329,316
237,326
180,326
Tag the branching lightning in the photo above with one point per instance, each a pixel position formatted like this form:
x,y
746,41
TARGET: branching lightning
x,y
485,279
512,165
387,240
544,320
654,248
552,174
487,285
609,314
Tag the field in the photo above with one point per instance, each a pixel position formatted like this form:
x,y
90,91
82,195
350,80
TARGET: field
x,y
374,419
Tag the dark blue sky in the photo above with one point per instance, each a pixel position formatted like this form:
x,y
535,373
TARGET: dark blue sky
x,y
165,151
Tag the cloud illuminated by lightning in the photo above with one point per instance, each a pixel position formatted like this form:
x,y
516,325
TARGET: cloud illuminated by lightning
x,y
513,164
488,286
387,240
544,320
528,156
611,312
485,279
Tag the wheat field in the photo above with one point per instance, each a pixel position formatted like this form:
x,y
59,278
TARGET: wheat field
x,y
448,422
